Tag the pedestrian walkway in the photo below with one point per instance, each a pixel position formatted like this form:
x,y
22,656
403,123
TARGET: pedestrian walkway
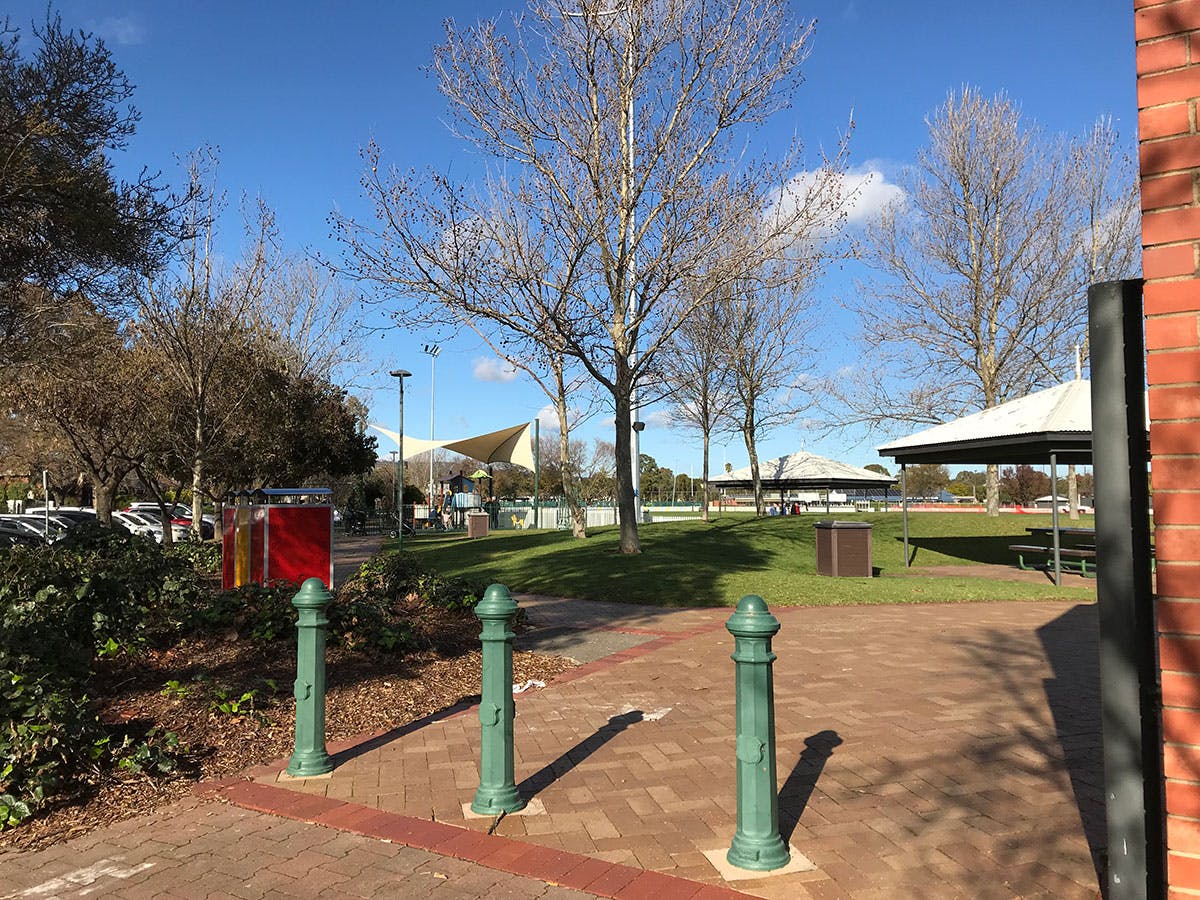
x,y
924,751
201,849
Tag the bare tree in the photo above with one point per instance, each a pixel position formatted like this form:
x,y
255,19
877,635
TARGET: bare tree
x,y
621,131
698,375
198,319
310,318
977,297
1108,239
767,357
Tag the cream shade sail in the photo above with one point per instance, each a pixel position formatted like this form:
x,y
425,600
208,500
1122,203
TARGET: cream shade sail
x,y
510,445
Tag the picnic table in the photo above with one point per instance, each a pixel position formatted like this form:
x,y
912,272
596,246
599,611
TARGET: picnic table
x,y
1079,554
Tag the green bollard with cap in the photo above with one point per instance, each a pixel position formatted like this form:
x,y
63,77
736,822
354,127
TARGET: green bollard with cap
x,y
757,844
310,757
497,787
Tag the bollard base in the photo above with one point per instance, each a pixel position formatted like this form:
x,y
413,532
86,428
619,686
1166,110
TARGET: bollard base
x,y
758,855
492,802
309,763
718,858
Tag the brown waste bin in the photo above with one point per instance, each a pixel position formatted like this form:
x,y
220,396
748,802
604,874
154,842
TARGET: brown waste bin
x,y
843,548
477,524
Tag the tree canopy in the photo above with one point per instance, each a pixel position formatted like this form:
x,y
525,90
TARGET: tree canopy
x,y
67,225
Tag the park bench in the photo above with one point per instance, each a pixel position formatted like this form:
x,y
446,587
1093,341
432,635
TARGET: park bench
x,y
1071,557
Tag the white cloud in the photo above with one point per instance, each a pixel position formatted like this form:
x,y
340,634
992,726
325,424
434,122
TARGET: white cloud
x,y
659,418
871,191
865,192
490,368
124,31
548,416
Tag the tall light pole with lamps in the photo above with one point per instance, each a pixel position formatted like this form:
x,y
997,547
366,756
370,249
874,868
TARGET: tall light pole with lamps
x,y
433,350
635,449
400,375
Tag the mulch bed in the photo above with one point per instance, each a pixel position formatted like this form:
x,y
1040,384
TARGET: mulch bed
x,y
180,690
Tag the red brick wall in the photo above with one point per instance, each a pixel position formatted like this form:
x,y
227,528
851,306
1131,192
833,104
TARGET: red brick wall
x,y
1168,68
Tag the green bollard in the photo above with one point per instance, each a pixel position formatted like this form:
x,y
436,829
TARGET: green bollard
x,y
757,843
310,757
497,788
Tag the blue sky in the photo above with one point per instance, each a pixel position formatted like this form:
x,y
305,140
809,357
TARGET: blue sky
x,y
290,91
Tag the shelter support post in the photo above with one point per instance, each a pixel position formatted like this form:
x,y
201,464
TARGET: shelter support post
x,y
1129,693
1054,519
904,507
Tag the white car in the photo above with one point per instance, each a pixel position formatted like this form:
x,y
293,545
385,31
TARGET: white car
x,y
180,515
137,524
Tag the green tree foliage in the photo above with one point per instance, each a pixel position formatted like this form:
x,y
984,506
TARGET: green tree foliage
x,y
926,480
66,224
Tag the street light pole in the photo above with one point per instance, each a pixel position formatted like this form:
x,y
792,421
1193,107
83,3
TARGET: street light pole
x,y
433,350
400,375
637,426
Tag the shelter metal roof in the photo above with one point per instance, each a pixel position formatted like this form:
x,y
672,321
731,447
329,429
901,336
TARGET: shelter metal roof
x,y
1026,430
804,470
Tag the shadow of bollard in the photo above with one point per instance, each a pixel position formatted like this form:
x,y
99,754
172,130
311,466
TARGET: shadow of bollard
x,y
797,790
548,774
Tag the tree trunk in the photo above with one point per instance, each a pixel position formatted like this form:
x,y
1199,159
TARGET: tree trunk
x,y
570,478
704,477
625,505
1072,492
992,502
752,452
104,492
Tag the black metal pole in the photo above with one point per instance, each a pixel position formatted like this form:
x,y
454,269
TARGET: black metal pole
x,y
904,508
1130,698
1054,519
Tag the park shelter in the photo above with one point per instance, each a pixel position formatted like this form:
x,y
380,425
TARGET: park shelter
x,y
804,471
1050,426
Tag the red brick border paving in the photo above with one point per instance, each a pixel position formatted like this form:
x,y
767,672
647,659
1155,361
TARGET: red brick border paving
x,y
558,867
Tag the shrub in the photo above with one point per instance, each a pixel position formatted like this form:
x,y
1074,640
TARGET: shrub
x,y
203,556
374,609
95,593
51,738
262,614
95,590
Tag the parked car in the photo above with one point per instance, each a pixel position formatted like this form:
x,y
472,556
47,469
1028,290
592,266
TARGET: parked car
x,y
12,533
136,523
180,515
74,514
56,525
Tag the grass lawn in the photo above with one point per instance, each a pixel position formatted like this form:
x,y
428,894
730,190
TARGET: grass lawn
x,y
692,564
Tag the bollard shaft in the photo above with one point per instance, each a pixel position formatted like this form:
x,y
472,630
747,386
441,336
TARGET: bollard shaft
x,y
757,843
310,757
497,785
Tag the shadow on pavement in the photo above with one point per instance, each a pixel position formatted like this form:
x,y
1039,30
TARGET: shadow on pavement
x,y
1072,647
796,791
550,773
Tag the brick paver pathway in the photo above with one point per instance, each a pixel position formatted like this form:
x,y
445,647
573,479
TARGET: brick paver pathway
x,y
924,751
203,849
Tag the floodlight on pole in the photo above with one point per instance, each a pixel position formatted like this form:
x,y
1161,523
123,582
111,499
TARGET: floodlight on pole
x,y
433,350
400,375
